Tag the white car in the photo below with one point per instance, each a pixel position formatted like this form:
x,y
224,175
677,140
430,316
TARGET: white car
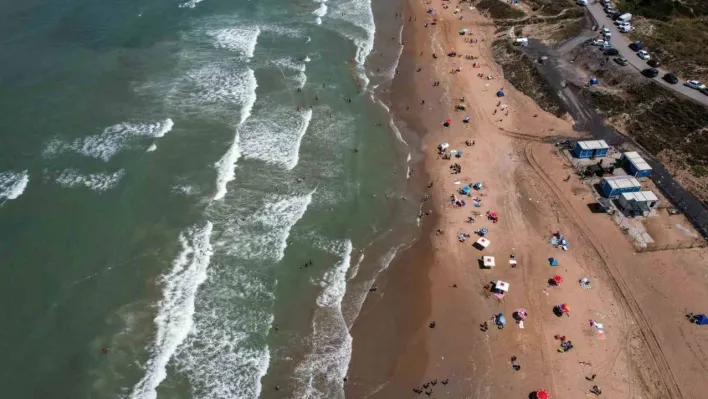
x,y
600,42
606,32
643,55
694,84
624,25
627,29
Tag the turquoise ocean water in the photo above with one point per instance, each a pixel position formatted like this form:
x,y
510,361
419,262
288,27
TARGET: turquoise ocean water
x,y
167,169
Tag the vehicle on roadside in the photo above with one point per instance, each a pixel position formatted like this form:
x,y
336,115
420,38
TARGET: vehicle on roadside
x,y
612,51
670,78
654,63
606,32
606,47
619,22
704,91
625,17
609,10
621,61
582,2
643,55
650,72
624,25
626,29
635,46
600,42
694,84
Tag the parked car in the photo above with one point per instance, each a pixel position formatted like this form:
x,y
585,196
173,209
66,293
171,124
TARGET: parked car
x,y
694,84
650,72
704,91
670,78
654,63
600,42
636,46
643,55
609,11
582,2
612,51
606,32
606,47
619,22
624,25
626,29
621,61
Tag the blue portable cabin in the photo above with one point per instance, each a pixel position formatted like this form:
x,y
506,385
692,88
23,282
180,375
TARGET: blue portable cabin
x,y
635,164
614,186
591,149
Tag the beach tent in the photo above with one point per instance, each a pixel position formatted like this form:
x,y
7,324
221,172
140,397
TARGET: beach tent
x,y
521,314
565,308
463,31
465,190
482,243
488,261
477,185
447,122
700,319
502,286
553,261
482,232
467,119
500,93
594,81
499,319
542,394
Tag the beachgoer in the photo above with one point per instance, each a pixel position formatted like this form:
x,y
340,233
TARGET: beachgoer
x,y
432,324
104,351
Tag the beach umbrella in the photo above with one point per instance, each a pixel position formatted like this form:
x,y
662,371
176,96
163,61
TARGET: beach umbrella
x,y
501,320
500,93
522,313
558,279
542,394
565,308
447,122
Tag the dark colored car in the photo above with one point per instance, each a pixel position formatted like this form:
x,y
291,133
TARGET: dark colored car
x,y
612,51
654,63
705,91
671,78
650,73
621,61
636,46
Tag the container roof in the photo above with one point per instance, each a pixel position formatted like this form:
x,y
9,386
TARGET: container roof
x,y
640,196
635,159
622,182
593,144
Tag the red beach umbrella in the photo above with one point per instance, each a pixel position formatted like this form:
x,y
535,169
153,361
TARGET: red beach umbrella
x,y
448,121
558,279
542,394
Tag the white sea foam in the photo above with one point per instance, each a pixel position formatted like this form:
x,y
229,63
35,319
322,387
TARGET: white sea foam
x,y
322,372
396,132
100,182
185,189
264,233
360,14
112,140
225,356
152,148
176,309
12,184
321,11
226,168
241,40
190,4
289,64
276,137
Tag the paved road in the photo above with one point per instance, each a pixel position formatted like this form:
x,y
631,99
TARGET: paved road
x,y
621,43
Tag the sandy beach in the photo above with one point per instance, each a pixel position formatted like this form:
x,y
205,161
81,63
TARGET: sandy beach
x,y
398,352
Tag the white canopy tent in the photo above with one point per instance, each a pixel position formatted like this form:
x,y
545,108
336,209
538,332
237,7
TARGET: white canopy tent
x,y
502,286
482,243
488,261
